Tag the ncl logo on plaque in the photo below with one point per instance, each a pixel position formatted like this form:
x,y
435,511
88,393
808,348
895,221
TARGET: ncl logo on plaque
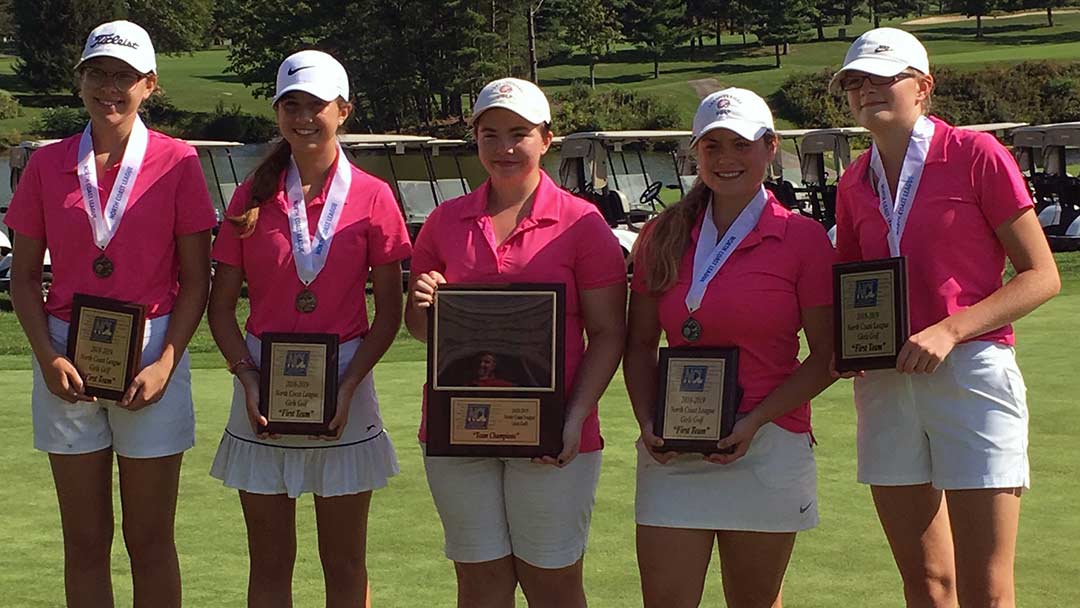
x,y
103,330
296,363
866,293
693,379
476,417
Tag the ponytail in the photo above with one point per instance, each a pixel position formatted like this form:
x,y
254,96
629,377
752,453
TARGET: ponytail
x,y
264,187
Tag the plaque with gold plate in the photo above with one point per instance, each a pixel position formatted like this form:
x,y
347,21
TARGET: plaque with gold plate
x,y
104,343
870,313
697,398
495,379
298,382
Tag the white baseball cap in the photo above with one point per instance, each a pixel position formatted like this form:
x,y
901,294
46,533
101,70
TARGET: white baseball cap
x,y
885,51
519,96
739,110
312,72
123,40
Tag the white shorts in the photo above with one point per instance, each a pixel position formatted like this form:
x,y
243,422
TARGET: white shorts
x,y
964,426
773,488
494,507
362,459
162,429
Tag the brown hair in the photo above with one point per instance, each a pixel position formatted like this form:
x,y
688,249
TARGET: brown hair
x,y
264,186
666,238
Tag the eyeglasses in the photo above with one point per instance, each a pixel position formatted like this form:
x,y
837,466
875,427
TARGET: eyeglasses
x,y
854,82
123,80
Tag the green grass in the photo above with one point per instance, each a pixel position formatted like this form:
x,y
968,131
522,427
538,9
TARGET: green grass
x,y
844,562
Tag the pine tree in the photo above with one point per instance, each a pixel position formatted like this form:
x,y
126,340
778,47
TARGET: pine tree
x,y
656,25
780,22
593,30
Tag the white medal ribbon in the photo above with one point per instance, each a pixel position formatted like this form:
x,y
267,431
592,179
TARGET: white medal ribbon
x,y
896,211
711,254
104,220
310,254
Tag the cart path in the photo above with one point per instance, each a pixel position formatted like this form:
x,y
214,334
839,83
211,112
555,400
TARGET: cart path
x,y
705,86
956,18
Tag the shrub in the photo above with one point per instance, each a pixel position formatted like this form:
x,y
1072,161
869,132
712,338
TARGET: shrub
x,y
59,122
231,124
9,106
584,109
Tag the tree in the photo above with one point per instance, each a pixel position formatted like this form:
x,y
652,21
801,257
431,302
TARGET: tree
x,y
400,76
175,27
593,30
656,25
49,37
780,22
974,8
50,34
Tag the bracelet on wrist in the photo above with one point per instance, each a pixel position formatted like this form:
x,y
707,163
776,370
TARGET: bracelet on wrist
x,y
242,364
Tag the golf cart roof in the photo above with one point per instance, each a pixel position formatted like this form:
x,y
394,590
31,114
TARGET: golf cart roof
x,y
360,140
629,136
196,143
995,127
209,143
829,131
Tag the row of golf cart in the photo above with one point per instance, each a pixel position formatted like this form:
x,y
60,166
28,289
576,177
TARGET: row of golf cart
x,y
632,175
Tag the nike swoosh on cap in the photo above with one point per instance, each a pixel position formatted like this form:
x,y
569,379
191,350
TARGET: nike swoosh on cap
x,y
303,67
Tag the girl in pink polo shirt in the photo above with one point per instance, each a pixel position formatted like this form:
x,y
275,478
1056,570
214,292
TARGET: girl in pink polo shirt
x,y
729,266
305,231
509,521
942,439
125,215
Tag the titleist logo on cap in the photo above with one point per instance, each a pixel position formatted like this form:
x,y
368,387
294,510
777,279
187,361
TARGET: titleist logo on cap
x,y
101,39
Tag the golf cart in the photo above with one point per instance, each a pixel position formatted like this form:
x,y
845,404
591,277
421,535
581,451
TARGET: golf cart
x,y
422,171
1043,153
210,155
594,165
824,155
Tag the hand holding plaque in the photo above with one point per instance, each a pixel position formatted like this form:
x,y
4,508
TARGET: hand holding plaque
x,y
105,341
870,313
697,398
298,383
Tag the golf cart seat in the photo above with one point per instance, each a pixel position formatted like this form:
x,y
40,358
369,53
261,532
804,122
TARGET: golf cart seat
x,y
451,188
417,199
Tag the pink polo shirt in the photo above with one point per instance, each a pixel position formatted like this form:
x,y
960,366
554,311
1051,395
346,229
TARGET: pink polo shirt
x,y
371,232
970,186
169,199
563,240
755,301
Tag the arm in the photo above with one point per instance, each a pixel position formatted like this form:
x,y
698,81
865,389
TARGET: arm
x,y
1036,281
221,316
149,385
386,283
58,372
605,325
807,382
640,368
